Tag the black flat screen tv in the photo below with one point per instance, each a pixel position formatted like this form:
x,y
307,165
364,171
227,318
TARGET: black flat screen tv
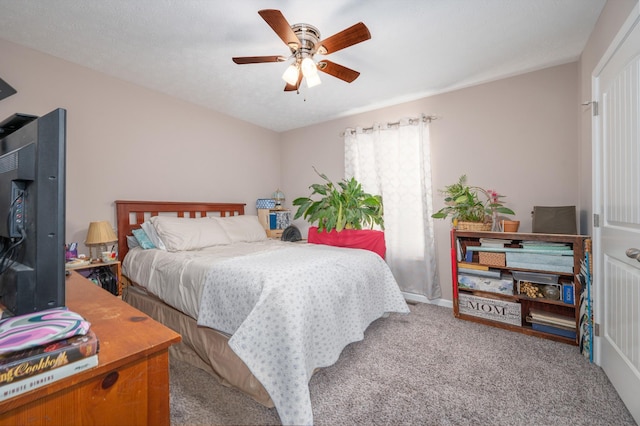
x,y
32,212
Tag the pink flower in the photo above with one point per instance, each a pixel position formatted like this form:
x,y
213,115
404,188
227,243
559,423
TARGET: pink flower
x,y
493,196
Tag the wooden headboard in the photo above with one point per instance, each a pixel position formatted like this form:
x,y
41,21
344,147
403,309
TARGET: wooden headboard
x,y
131,214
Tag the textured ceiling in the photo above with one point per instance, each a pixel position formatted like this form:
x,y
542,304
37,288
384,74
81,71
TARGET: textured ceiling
x,y
417,47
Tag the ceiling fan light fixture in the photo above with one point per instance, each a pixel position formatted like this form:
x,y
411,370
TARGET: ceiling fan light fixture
x,y
291,75
308,67
304,41
313,80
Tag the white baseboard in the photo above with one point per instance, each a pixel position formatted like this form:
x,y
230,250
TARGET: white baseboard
x,y
412,297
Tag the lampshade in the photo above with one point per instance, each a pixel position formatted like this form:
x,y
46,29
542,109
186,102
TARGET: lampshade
x,y
313,80
310,72
100,233
278,196
291,75
308,67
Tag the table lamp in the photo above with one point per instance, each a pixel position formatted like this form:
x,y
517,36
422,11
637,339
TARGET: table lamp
x,y
99,235
278,197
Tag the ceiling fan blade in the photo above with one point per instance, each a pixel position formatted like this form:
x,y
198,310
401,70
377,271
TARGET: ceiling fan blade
x,y
279,24
258,59
291,87
338,71
353,35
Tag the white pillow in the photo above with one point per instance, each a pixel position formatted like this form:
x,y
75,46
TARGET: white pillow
x,y
132,242
179,234
151,232
243,228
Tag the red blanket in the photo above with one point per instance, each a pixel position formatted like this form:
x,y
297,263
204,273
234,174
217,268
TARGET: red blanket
x,y
367,239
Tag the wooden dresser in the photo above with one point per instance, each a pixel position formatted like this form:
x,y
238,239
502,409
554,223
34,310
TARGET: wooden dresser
x,y
130,385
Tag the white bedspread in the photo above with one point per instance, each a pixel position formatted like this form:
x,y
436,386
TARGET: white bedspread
x,y
289,308
293,310
177,278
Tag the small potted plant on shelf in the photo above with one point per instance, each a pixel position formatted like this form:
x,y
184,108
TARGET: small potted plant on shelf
x,y
345,215
467,210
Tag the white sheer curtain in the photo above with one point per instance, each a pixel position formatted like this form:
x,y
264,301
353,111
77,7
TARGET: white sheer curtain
x,y
394,160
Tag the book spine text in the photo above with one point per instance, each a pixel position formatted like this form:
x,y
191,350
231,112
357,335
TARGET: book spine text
x,y
39,380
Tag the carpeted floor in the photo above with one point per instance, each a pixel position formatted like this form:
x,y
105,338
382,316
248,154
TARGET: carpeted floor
x,y
427,368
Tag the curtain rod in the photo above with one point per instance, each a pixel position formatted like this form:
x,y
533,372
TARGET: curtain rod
x,y
411,121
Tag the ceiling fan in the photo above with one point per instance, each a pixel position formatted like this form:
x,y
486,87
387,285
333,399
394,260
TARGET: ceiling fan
x,y
304,42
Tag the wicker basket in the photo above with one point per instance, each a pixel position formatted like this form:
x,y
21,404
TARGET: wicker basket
x,y
473,226
492,259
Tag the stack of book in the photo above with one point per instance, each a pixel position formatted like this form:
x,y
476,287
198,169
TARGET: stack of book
x,y
32,367
473,276
542,256
487,245
549,322
279,219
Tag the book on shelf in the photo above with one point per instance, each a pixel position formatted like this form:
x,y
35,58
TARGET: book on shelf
x,y
534,250
470,265
19,387
493,242
545,245
468,256
490,273
549,259
20,365
499,284
550,323
559,331
541,267
550,318
279,219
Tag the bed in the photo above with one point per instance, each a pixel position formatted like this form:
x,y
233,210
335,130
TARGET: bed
x,y
260,315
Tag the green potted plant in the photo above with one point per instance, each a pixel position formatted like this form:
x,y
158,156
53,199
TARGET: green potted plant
x,y
467,209
344,213
342,206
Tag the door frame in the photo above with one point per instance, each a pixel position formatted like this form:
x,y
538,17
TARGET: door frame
x,y
596,177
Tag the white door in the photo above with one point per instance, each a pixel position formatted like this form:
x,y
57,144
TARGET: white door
x,y
617,202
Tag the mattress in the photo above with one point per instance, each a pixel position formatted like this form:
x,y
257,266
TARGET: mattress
x,y
177,278
201,347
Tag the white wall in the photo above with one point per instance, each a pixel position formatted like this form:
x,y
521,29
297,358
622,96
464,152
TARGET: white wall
x,y
127,142
518,136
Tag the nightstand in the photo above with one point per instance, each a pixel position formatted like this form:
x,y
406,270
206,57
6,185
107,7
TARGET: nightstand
x,y
85,270
275,233
264,218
